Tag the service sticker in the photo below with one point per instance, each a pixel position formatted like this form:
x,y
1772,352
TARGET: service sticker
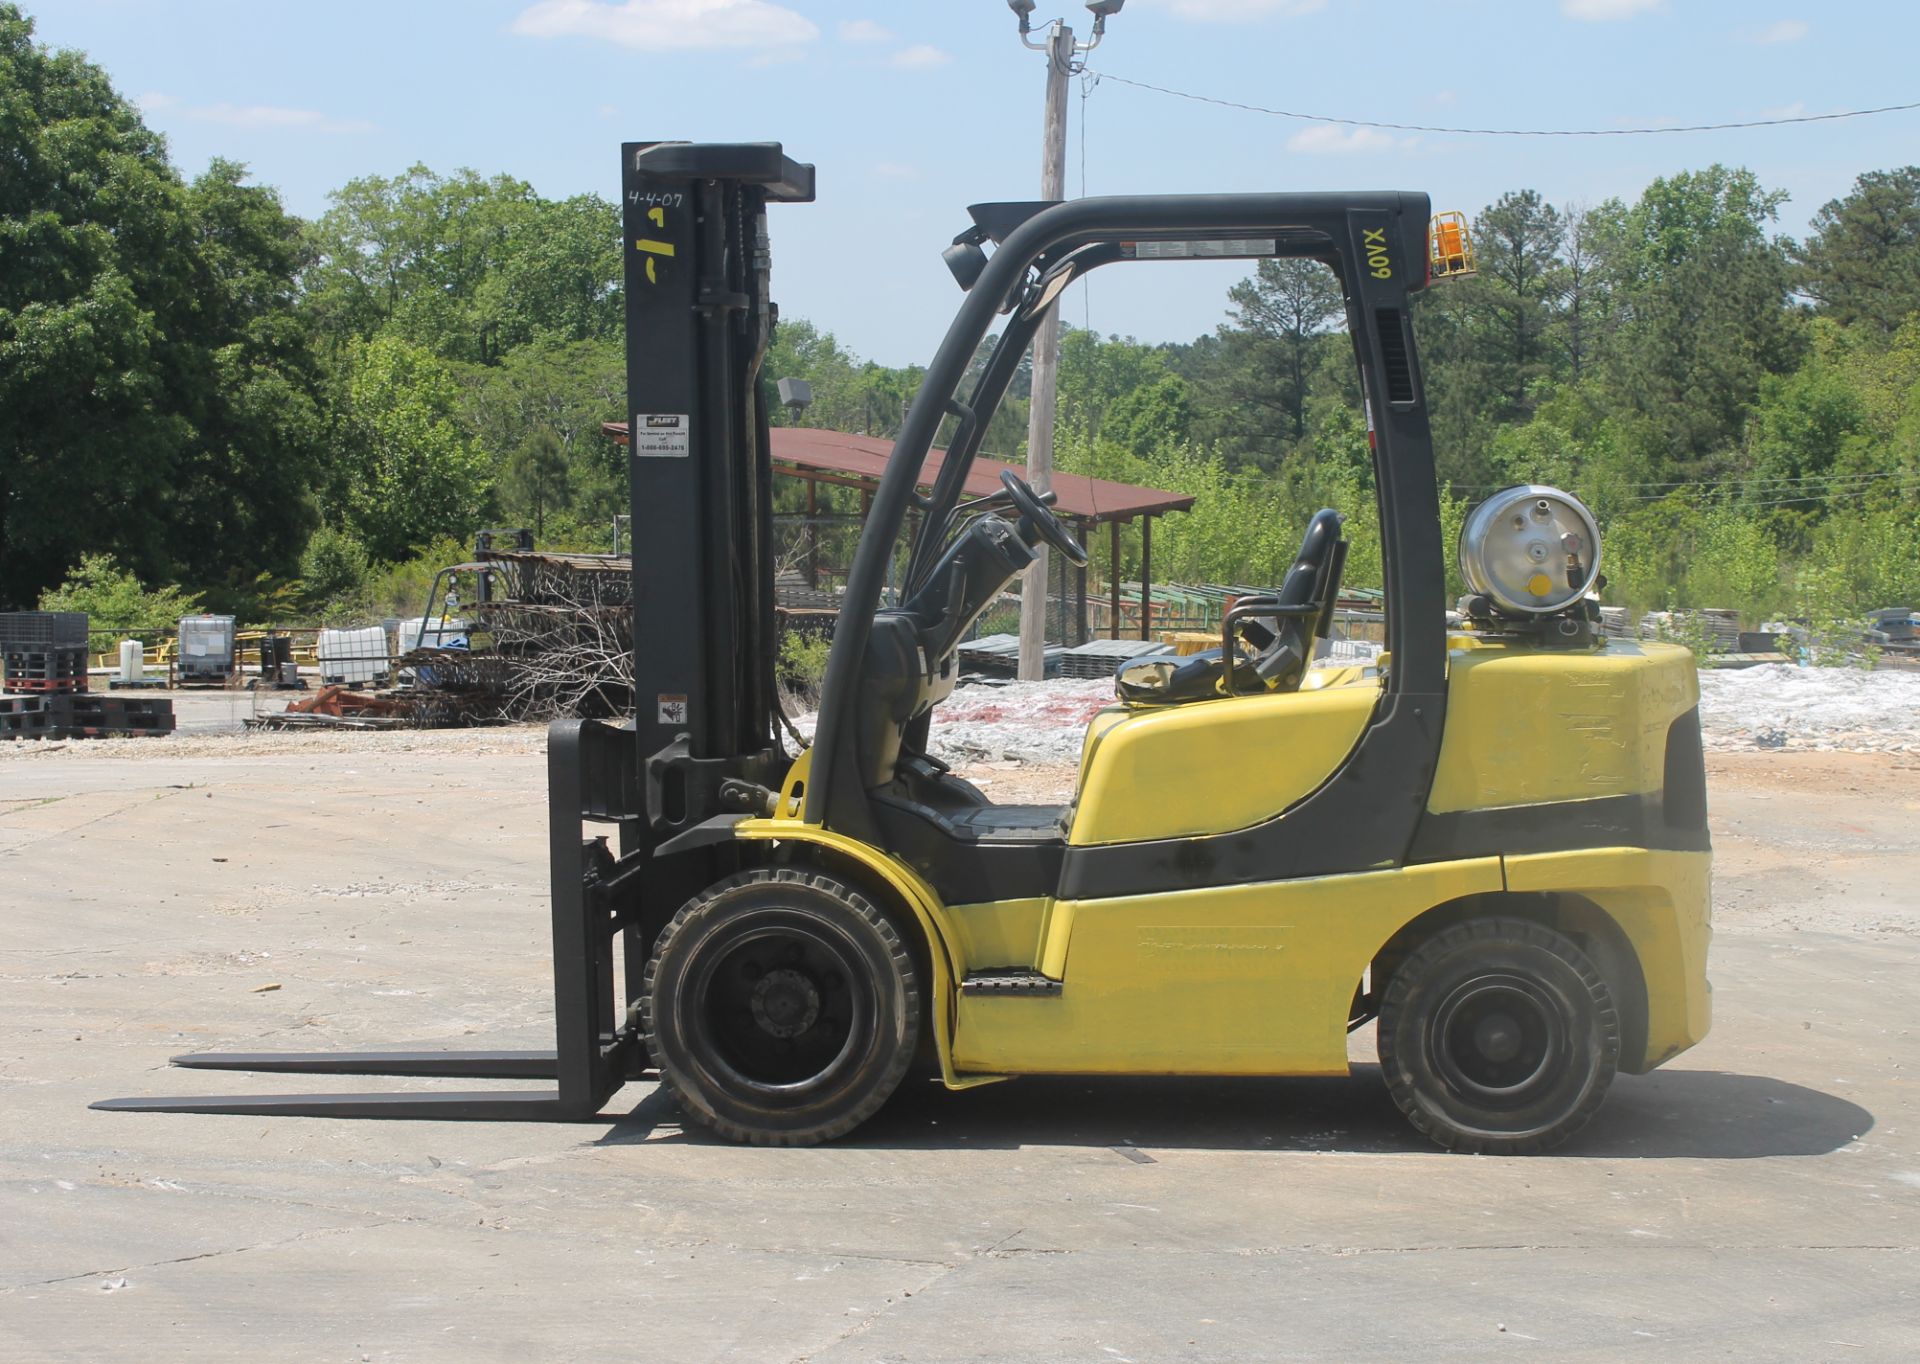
x,y
673,709
661,435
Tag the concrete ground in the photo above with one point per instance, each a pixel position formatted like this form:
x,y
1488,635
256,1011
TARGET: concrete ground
x,y
1758,1198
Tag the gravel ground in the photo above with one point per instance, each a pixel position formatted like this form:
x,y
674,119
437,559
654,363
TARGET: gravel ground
x,y
1847,710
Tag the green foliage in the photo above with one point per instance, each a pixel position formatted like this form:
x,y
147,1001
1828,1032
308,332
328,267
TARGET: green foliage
x,y
1686,629
803,662
558,391
1863,261
157,394
1823,602
412,471
334,573
400,589
848,395
114,599
536,481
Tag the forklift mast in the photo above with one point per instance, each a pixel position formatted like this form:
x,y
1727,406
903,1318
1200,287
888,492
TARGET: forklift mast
x,y
698,323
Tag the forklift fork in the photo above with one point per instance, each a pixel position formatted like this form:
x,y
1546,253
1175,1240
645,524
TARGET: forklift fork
x,y
591,775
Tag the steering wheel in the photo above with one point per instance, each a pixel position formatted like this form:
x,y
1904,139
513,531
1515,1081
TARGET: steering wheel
x,y
1040,516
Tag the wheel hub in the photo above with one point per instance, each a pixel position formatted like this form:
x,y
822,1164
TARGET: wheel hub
x,y
1497,1037
785,1003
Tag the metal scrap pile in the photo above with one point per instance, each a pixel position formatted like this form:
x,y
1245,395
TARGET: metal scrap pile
x,y
561,627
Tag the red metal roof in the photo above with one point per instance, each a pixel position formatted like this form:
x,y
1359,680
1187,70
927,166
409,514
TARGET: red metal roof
x,y
865,457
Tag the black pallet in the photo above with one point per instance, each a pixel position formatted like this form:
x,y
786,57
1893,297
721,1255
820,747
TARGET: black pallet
x,y
25,717
41,629
52,664
92,715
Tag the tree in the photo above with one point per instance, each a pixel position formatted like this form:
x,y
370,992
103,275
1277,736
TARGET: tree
x,y
241,504
564,389
334,568
1704,291
412,471
1862,263
536,481
414,254
156,395
559,275
1283,308
1584,310
1520,276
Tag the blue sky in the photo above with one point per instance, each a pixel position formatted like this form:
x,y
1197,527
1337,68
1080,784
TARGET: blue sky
x,y
912,109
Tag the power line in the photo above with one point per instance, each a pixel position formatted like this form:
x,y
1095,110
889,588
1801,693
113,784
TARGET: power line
x,y
1503,132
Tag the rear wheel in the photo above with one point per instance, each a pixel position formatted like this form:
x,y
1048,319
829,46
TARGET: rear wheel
x,y
781,1007
1498,1036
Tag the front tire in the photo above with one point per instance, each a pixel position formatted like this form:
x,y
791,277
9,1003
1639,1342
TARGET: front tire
x,y
781,1007
1498,1037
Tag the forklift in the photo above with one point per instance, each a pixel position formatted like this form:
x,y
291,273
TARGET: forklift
x,y
1492,841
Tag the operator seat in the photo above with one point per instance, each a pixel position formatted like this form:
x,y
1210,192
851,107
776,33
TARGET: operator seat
x,y
1284,643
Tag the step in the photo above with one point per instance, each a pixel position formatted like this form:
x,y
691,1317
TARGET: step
x,y
1009,980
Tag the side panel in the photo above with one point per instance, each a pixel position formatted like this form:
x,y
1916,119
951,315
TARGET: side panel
x,y
998,932
1662,901
1234,980
1210,767
1525,727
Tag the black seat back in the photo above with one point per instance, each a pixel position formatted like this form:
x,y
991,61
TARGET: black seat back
x,y
1284,643
1314,580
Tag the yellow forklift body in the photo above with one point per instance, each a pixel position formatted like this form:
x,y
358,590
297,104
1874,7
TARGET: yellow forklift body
x,y
1228,980
1210,767
1662,902
1528,726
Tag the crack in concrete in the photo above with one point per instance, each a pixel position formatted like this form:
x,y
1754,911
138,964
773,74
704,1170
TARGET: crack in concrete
x,y
203,1255
150,795
866,1323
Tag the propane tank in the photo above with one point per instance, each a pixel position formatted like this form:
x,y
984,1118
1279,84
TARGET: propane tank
x,y
1530,551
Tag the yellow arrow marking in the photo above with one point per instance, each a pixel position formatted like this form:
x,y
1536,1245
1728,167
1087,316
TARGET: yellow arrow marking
x,y
657,216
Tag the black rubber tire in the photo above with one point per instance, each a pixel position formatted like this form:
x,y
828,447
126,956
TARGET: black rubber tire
x,y
781,1007
1498,1037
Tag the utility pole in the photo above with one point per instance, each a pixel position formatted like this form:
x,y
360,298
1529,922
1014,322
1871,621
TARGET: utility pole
x,y
1062,62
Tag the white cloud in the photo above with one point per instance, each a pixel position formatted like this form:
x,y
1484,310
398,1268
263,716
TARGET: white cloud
x,y
1785,31
1232,11
918,57
252,115
1607,11
864,31
1327,139
669,25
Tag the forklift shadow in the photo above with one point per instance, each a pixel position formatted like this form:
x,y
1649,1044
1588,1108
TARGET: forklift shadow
x,y
1668,1115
